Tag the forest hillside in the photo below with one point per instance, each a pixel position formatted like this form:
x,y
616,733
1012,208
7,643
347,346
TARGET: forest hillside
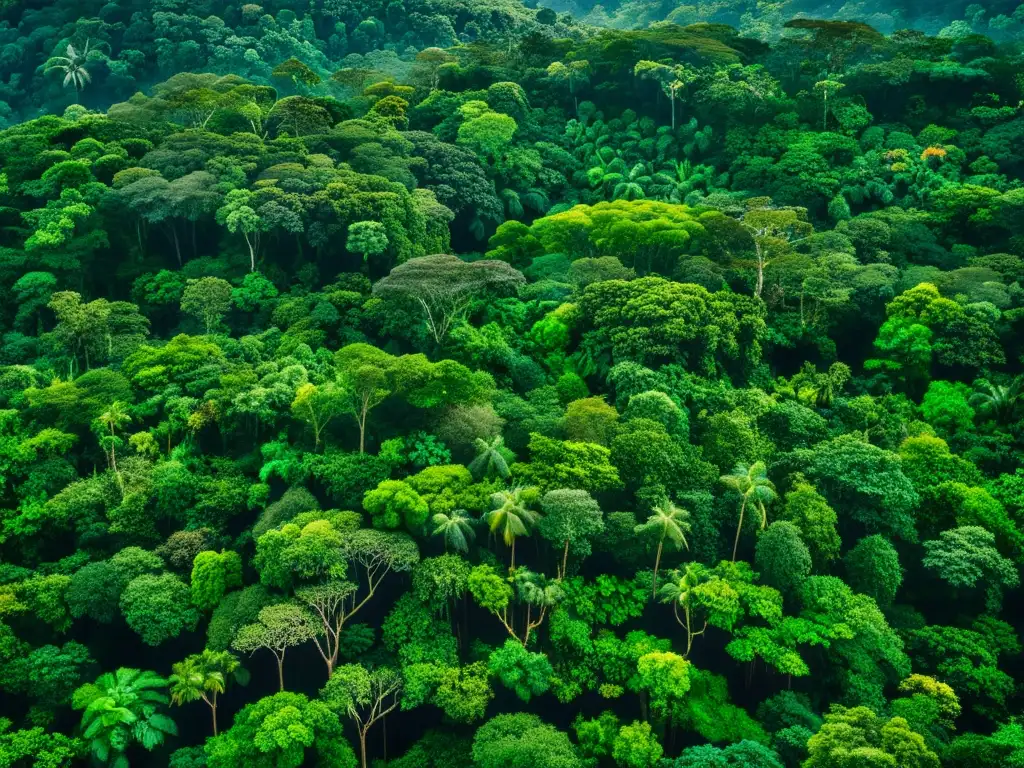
x,y
472,384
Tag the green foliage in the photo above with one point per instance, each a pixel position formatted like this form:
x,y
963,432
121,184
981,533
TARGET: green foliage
x,y
393,504
873,568
158,608
281,730
636,747
123,708
213,574
522,741
567,299
526,673
558,464
874,740
782,558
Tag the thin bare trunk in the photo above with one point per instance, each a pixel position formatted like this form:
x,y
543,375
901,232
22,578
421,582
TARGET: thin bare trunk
x,y
739,528
657,563
760,269
177,245
362,427
213,712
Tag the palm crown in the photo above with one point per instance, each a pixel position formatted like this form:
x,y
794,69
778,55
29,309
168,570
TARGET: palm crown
x,y
72,64
752,484
511,517
457,529
667,523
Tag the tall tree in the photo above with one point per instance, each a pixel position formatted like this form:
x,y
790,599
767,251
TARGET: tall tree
x,y
667,523
364,376
571,517
113,418
365,696
755,489
444,285
512,517
72,66
204,676
681,592
276,629
316,405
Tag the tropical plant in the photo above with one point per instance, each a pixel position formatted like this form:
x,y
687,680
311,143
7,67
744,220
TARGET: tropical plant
x,y
204,676
457,529
511,517
679,590
112,419
633,184
537,592
72,65
122,708
1001,401
667,523
489,458
755,489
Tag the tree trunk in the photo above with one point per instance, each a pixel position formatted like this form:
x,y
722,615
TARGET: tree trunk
x,y
252,251
362,430
736,543
213,712
565,559
362,746
657,563
760,269
177,245
280,671
512,565
689,632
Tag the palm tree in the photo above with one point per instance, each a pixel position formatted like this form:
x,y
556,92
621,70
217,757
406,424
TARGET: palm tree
x,y
511,517
632,185
121,707
829,385
672,183
73,67
609,171
457,529
668,522
113,418
489,457
680,592
752,484
999,400
203,676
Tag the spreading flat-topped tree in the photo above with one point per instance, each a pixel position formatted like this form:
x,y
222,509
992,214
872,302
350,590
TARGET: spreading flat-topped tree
x,y
278,628
444,285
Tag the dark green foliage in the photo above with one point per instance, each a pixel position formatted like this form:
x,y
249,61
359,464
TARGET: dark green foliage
x,y
873,568
653,368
